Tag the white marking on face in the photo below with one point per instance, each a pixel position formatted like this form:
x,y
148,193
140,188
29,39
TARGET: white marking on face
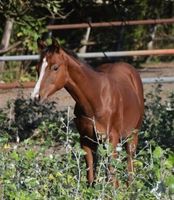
x,y
35,93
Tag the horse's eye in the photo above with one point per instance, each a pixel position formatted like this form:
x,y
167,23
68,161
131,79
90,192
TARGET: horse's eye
x,y
55,67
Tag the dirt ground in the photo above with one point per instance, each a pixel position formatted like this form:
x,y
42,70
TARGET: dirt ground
x,y
158,70
63,99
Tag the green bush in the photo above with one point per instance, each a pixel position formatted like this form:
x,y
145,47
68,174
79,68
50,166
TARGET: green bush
x,y
48,163
159,118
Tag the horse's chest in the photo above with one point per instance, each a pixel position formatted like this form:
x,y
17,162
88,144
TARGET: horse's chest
x,y
91,127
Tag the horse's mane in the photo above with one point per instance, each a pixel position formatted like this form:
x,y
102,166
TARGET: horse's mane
x,y
52,49
72,54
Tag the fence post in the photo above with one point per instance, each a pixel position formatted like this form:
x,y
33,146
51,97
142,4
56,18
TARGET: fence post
x,y
6,39
85,40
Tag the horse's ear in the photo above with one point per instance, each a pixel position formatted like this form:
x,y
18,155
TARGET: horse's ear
x,y
41,44
55,44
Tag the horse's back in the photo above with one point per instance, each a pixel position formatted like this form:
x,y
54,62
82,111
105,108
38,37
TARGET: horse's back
x,y
129,82
125,74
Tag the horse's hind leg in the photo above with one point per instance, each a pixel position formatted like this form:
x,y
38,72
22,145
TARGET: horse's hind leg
x,y
131,147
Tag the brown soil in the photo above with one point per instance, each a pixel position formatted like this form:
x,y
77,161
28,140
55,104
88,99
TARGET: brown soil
x,y
158,70
62,98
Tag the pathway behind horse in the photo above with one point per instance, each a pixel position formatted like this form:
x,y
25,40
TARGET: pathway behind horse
x,y
109,100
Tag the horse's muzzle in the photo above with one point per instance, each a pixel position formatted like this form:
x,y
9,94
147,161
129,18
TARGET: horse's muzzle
x,y
35,97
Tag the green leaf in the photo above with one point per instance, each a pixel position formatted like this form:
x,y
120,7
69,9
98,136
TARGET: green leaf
x,y
3,139
171,159
157,173
15,156
169,163
170,183
158,152
30,154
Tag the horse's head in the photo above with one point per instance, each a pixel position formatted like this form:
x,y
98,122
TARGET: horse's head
x,y
52,70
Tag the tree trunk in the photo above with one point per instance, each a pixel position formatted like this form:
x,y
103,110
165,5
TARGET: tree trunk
x,y
6,38
150,44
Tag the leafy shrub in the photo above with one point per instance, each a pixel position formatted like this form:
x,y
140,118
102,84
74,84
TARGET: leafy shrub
x,y
50,164
27,115
159,118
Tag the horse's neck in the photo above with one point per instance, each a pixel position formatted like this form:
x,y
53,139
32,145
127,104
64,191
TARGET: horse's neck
x,y
83,85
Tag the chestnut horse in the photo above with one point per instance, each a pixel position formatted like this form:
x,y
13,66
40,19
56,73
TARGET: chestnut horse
x,y
109,100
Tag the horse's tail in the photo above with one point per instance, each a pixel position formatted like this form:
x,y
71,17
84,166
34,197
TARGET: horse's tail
x,y
138,85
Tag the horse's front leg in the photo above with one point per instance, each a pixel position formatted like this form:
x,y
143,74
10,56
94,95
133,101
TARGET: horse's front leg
x,y
89,145
114,140
90,159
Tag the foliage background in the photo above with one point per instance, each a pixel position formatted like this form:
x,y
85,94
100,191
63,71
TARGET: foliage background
x,y
30,19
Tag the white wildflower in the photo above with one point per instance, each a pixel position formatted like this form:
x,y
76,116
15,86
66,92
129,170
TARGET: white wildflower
x,y
119,147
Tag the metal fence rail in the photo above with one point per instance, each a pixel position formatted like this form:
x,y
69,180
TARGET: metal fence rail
x,y
158,80
112,23
127,53
19,58
108,54
97,54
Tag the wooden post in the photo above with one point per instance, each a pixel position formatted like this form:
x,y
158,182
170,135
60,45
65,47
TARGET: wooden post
x,y
6,39
85,40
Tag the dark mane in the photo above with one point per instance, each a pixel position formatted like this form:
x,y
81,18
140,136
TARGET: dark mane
x,y
52,49
49,49
74,55
71,53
